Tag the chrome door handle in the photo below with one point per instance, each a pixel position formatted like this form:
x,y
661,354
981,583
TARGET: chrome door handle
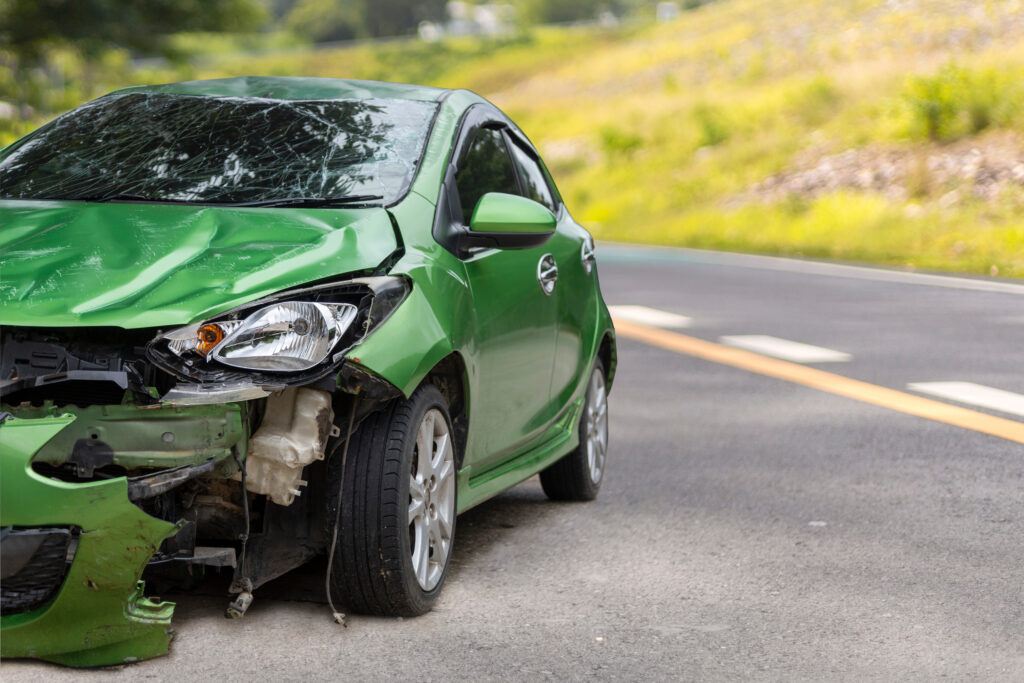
x,y
547,273
587,255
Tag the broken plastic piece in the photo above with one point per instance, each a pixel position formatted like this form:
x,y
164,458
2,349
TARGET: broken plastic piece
x,y
239,606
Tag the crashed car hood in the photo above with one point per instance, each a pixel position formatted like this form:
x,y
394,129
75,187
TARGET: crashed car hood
x,y
69,264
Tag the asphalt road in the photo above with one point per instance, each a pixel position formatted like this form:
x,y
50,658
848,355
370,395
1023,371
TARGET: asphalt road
x,y
749,528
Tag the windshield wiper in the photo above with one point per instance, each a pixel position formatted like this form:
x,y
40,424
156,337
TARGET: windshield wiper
x,y
116,197
282,201
314,201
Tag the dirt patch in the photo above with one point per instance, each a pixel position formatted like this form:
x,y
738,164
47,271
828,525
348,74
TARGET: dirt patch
x,y
978,168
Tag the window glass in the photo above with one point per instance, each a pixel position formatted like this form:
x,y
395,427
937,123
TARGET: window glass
x,y
536,186
220,149
485,168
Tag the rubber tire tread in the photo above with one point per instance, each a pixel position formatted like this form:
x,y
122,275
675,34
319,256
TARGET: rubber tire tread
x,y
568,479
372,571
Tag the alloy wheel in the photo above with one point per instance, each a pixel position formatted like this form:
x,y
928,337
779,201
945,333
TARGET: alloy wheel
x,y
431,499
597,427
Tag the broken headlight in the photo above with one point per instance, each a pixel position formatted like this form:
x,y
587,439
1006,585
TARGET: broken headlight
x,y
290,336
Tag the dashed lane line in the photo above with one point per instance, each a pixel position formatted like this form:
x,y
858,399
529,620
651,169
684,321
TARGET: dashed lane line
x,y
649,316
865,392
974,394
785,349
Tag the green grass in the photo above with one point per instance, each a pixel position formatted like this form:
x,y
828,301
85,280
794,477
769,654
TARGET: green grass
x,y
656,133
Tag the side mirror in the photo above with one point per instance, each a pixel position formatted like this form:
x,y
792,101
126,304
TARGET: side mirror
x,y
507,221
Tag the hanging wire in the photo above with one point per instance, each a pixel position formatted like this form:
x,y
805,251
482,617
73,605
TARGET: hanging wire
x,y
338,616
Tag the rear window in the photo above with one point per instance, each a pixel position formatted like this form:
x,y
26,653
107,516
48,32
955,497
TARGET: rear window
x,y
221,150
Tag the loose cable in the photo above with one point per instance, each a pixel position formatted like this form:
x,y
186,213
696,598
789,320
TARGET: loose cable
x,y
338,616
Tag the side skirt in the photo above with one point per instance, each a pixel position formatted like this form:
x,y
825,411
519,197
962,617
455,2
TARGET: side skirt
x,y
557,442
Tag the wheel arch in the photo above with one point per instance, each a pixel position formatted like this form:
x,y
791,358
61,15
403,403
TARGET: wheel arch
x,y
609,356
450,377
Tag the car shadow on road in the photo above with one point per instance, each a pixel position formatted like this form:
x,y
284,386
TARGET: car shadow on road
x,y
477,531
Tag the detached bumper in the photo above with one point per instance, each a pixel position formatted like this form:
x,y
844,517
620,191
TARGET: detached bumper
x,y
92,611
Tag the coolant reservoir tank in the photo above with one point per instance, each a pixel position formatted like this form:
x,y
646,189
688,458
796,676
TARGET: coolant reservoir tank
x,y
293,434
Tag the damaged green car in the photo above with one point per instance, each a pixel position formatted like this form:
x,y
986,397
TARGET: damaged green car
x,y
251,321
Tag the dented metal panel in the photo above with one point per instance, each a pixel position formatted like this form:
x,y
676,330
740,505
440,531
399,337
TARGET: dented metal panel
x,y
99,616
74,264
144,436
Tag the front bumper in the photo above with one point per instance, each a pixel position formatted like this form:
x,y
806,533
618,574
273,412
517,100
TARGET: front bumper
x,y
98,615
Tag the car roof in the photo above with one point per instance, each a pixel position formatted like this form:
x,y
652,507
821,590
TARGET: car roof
x,y
291,88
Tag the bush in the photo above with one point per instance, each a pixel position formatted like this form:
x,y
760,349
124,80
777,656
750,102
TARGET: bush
x,y
956,102
712,124
617,142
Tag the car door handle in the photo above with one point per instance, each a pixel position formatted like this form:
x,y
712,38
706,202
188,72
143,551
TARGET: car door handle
x,y
547,273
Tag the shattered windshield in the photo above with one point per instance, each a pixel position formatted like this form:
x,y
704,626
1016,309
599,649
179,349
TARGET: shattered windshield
x,y
213,150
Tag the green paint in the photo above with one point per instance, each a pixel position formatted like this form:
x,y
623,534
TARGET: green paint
x,y
497,212
99,617
146,436
80,264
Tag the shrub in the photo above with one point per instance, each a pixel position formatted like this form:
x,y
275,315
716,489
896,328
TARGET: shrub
x,y
618,142
956,102
712,124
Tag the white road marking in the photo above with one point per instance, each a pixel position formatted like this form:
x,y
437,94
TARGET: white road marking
x,y
778,263
973,394
649,316
785,349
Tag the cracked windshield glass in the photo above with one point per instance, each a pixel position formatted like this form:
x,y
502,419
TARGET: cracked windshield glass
x,y
222,150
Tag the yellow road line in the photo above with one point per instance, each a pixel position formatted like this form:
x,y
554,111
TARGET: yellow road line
x,y
824,381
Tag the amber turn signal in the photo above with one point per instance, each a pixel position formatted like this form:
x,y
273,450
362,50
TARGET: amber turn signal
x,y
208,337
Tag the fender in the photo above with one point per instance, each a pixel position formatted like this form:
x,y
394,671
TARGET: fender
x,y
415,338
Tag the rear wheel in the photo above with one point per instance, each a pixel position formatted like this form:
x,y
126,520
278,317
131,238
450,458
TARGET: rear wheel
x,y
579,474
397,509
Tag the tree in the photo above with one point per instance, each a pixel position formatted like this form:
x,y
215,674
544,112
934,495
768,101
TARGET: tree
x,y
29,27
554,11
395,17
325,20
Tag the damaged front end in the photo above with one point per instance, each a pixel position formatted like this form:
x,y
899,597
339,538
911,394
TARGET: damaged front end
x,y
158,453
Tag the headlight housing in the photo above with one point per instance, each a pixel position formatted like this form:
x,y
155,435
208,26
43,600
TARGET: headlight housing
x,y
285,337
293,338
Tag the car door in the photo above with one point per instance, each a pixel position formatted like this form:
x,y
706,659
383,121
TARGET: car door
x,y
515,315
574,290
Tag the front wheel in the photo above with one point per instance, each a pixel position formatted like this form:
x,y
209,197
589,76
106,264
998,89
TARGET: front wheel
x,y
397,509
579,474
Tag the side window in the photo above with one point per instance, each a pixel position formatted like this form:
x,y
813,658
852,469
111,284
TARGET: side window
x,y
485,168
535,184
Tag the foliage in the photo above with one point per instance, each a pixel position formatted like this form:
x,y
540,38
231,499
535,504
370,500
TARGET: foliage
x,y
327,20
957,101
28,27
618,142
552,11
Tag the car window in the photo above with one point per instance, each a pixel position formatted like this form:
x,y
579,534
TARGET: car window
x,y
221,149
535,185
485,168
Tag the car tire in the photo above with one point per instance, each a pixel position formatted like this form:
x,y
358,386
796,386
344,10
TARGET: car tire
x,y
579,474
398,507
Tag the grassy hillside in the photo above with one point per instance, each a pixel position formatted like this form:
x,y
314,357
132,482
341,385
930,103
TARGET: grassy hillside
x,y
889,132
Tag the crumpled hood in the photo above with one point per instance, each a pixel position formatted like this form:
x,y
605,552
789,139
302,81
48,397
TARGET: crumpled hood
x,y
74,264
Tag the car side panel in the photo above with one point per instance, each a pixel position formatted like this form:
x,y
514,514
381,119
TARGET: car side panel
x,y
439,318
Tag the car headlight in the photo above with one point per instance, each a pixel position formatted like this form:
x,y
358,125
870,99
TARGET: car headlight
x,y
286,337
304,332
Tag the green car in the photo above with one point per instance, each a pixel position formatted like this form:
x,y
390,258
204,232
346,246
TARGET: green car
x,y
247,322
